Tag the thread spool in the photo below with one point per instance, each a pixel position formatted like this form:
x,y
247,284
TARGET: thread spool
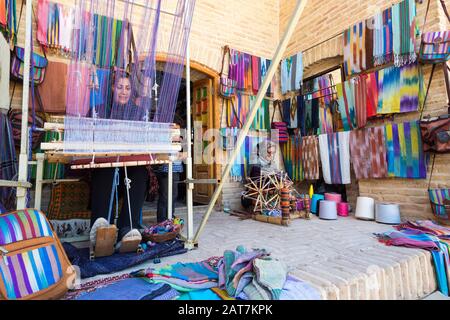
x,y
336,197
388,213
365,208
343,209
307,204
328,210
314,202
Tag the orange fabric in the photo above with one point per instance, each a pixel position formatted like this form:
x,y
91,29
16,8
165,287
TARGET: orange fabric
x,y
3,12
53,89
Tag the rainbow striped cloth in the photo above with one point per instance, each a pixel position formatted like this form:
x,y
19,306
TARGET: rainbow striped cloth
x,y
405,157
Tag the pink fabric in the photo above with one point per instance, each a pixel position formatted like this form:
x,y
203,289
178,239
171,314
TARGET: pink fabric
x,y
78,89
42,13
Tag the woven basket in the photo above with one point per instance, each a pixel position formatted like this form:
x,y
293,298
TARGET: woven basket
x,y
163,237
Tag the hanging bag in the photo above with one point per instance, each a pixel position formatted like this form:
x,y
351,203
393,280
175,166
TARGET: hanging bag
x,y
18,62
435,131
435,46
281,126
227,87
439,200
33,263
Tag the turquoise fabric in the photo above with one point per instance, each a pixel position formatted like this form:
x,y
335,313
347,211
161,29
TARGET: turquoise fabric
x,y
207,294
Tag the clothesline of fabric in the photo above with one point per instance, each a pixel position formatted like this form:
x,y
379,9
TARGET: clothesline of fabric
x,y
249,71
388,36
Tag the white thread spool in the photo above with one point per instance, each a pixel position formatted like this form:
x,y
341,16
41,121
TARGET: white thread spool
x,y
388,213
328,210
365,208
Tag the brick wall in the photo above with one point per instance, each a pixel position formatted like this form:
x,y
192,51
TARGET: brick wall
x,y
326,18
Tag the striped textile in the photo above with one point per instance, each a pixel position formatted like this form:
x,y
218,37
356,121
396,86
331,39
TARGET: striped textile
x,y
30,271
382,38
404,32
436,51
355,49
243,104
389,90
361,101
325,118
372,94
368,153
291,73
346,100
411,88
437,197
335,157
23,225
292,156
310,157
405,157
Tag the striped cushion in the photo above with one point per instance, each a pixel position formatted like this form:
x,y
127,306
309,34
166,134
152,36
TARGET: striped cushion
x,y
23,225
29,272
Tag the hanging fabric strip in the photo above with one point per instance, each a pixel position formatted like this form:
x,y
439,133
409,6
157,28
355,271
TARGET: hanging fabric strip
x,y
3,17
335,157
346,97
301,114
371,94
360,101
355,49
325,118
389,90
310,157
368,153
8,162
383,38
292,156
404,32
42,14
405,157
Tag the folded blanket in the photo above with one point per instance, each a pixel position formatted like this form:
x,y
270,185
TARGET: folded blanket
x,y
271,274
196,271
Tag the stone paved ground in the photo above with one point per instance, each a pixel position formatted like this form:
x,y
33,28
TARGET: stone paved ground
x,y
342,258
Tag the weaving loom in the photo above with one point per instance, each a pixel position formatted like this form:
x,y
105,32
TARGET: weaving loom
x,y
100,130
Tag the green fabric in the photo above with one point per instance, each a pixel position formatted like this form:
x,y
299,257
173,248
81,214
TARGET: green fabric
x,y
271,274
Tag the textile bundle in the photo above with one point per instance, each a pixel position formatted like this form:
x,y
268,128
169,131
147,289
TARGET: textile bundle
x,y
310,157
249,71
427,235
292,156
335,157
291,73
368,152
405,157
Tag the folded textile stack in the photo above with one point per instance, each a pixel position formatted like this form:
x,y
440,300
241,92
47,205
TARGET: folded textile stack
x,y
425,234
254,275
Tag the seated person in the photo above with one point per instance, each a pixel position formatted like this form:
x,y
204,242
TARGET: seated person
x,y
264,163
102,179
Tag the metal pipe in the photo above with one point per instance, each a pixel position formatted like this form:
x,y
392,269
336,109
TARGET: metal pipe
x,y
23,157
301,4
189,186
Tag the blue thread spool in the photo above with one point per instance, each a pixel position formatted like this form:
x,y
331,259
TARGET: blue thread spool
x,y
315,202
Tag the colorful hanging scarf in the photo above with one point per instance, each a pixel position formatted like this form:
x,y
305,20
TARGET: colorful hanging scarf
x,y
361,101
404,32
291,73
400,89
382,39
8,162
42,13
301,113
368,153
346,101
335,157
325,118
405,157
292,156
3,19
371,94
355,49
310,157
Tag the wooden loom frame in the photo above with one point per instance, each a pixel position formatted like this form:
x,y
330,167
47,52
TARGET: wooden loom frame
x,y
191,240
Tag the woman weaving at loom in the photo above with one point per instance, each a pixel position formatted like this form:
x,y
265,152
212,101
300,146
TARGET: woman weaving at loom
x,y
102,189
